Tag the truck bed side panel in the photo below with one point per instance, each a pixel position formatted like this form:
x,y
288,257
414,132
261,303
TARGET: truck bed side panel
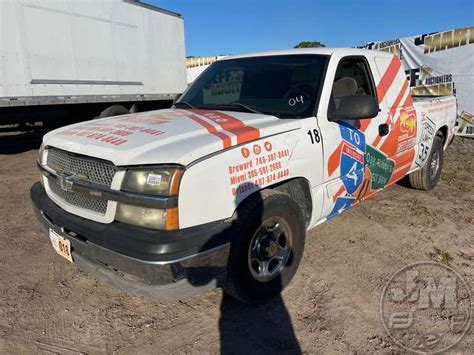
x,y
433,114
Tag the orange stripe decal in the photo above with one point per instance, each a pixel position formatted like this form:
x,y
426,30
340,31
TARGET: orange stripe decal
x,y
364,124
226,142
334,159
392,110
388,78
231,124
400,96
388,147
384,85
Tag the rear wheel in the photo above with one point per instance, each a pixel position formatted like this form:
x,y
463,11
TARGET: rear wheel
x,y
427,177
115,110
267,248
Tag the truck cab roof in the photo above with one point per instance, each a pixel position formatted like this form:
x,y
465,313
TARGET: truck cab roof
x,y
317,51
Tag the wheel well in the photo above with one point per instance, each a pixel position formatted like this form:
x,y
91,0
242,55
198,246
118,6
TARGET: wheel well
x,y
297,188
300,190
443,133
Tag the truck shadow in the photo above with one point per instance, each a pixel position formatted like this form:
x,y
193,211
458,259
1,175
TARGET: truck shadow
x,y
257,328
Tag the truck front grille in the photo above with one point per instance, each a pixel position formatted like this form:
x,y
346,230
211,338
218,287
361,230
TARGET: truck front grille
x,y
93,170
87,169
79,199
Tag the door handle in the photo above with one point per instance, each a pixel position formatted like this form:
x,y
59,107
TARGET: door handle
x,y
384,129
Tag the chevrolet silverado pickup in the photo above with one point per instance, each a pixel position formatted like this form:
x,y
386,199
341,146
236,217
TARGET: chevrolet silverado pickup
x,y
220,189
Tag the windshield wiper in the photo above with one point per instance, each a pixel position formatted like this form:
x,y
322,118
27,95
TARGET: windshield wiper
x,y
247,107
185,103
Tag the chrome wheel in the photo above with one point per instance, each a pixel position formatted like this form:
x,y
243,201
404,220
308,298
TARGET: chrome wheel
x,y
434,165
270,249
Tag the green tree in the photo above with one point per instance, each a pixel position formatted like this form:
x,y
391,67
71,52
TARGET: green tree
x,y
309,44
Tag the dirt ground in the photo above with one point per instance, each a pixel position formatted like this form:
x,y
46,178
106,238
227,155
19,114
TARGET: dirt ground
x,y
332,305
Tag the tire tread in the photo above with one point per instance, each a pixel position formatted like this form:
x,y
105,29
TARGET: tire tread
x,y
245,211
420,179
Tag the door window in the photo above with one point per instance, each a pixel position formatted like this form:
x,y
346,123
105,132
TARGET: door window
x,y
352,78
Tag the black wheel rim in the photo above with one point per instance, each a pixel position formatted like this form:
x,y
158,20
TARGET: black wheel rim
x,y
434,165
270,249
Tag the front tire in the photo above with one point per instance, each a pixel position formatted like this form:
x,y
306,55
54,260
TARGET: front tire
x,y
427,177
267,247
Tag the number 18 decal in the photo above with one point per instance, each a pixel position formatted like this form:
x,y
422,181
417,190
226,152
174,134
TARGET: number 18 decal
x,y
314,135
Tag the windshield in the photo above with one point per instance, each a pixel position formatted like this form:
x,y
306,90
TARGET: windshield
x,y
285,86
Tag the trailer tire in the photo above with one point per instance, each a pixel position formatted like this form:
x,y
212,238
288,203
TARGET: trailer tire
x,y
269,231
115,110
428,176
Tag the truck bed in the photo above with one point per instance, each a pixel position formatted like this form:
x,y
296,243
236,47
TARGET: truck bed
x,y
438,110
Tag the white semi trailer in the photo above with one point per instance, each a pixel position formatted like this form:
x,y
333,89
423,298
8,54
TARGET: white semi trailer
x,y
66,60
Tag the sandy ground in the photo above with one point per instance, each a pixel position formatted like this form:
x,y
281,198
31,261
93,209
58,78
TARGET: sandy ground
x,y
332,305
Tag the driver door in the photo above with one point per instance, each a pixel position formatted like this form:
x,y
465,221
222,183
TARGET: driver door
x,y
353,168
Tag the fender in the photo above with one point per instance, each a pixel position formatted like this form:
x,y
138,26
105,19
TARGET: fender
x,y
212,188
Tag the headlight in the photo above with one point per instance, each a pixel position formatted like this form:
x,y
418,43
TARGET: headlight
x,y
154,181
148,217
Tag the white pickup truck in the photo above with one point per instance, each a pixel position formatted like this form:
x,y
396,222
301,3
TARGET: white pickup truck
x,y
220,189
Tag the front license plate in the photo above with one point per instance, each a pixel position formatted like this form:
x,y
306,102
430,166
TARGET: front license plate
x,y
61,245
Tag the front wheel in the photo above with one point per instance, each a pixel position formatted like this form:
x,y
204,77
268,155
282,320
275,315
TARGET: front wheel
x,y
267,247
427,177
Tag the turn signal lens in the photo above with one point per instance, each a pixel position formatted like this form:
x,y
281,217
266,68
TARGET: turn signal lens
x,y
172,221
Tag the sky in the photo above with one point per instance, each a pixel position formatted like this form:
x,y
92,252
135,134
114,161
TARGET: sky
x,y
214,27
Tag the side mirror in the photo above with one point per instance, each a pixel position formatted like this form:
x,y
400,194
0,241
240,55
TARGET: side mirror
x,y
176,98
354,107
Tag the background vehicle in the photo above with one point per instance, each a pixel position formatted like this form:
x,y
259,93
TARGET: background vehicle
x,y
64,61
221,188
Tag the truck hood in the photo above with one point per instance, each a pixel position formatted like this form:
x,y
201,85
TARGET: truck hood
x,y
171,136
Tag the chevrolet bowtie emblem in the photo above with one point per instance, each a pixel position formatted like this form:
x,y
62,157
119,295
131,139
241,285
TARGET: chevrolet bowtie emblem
x,y
66,181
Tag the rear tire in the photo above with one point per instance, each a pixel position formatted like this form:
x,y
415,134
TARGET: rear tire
x,y
267,247
427,177
115,110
